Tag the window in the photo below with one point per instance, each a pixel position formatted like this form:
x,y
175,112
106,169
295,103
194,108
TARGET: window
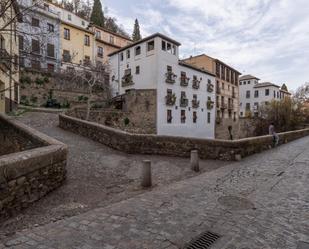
x,y
66,34
121,57
50,67
247,106
241,114
87,40
150,46
15,61
266,92
87,60
208,117
51,50
248,94
83,23
50,27
46,6
35,22
174,50
245,82
222,72
97,34
248,82
128,54
194,117
240,83
222,86
16,92
256,93
35,46
21,61
230,114
70,17
137,70
2,42
169,69
138,50
169,47
277,95
66,56
100,52
36,65
111,39
21,42
274,94
183,116
163,45
169,116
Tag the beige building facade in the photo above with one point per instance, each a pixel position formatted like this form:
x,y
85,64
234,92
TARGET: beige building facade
x,y
227,94
9,52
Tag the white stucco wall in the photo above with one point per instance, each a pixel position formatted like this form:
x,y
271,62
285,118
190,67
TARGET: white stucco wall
x,y
261,99
153,67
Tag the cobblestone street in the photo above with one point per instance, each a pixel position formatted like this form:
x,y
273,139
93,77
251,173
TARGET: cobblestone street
x,y
96,176
261,202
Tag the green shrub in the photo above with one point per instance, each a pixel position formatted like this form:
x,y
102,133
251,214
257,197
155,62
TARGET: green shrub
x,y
46,79
85,98
33,99
39,81
126,121
80,97
25,80
66,104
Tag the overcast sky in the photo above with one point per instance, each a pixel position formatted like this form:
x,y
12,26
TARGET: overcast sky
x,y
265,38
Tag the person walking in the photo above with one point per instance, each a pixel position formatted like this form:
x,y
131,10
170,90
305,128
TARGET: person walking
x,y
274,134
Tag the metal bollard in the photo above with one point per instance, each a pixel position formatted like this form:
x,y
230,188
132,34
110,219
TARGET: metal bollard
x,y
146,174
194,161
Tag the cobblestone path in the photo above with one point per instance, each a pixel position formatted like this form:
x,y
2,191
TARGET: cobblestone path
x,y
261,202
96,176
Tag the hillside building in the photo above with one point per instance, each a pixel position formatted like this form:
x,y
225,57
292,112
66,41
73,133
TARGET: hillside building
x,y
180,97
9,68
254,94
227,94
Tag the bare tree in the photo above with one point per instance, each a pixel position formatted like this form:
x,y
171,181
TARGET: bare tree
x,y
95,77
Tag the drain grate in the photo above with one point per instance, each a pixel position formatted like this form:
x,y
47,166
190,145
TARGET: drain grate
x,y
204,241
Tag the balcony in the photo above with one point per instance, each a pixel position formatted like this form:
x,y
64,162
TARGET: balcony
x,y
195,103
210,104
184,81
170,99
184,102
223,106
5,58
170,77
196,84
218,104
210,87
127,80
233,95
230,106
218,90
66,58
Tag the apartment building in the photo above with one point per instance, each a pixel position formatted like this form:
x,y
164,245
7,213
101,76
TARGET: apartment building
x,y
39,36
184,95
227,94
85,43
253,94
107,42
9,70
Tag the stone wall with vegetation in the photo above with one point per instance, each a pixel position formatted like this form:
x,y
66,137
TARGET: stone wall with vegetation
x,y
36,88
138,113
30,171
173,146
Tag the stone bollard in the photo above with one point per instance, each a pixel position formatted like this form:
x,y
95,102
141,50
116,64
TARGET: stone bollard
x,y
194,161
238,157
146,174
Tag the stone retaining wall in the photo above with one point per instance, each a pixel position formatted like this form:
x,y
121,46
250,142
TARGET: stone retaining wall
x,y
173,146
26,176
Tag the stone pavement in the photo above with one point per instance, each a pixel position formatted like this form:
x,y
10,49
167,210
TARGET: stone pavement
x,y
261,202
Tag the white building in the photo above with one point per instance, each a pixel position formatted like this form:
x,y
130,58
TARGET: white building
x,y
185,95
39,36
253,94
